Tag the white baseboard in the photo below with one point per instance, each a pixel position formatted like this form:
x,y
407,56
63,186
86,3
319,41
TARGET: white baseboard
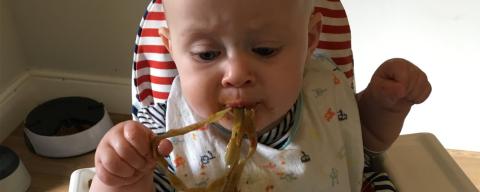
x,y
35,87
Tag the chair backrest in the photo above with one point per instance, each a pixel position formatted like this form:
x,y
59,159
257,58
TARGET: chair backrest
x,y
154,70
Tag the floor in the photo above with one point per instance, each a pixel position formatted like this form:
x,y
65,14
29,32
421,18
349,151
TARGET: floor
x,y
53,174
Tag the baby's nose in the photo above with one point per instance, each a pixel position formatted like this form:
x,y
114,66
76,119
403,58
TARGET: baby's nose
x,y
239,72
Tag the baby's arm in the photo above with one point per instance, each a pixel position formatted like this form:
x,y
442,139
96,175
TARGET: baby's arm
x,y
124,160
395,86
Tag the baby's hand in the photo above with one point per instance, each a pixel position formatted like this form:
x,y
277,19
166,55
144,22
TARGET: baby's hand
x,y
398,84
124,155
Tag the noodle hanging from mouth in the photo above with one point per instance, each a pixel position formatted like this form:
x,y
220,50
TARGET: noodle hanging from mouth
x,y
242,125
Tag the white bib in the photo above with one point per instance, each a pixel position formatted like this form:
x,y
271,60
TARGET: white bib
x,y
325,152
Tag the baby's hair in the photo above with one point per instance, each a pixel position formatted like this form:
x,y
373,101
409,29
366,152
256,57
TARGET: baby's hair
x,y
309,4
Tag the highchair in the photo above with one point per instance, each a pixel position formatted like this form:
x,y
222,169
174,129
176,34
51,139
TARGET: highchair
x,y
415,162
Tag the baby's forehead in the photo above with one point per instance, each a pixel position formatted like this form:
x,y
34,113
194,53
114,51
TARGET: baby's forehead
x,y
306,5
215,12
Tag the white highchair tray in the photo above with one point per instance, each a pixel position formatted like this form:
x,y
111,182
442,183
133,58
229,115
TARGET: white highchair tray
x,y
415,162
419,162
80,180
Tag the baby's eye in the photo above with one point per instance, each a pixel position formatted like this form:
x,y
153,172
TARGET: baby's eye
x,y
265,51
208,55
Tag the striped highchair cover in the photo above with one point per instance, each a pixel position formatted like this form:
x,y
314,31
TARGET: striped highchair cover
x,y
153,70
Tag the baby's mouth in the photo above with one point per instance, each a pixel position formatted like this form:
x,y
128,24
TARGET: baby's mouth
x,y
241,104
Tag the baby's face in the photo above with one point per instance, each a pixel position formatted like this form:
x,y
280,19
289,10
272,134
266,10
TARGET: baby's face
x,y
239,53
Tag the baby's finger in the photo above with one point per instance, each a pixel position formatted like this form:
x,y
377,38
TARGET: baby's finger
x,y
165,147
414,79
114,180
387,92
395,69
139,137
423,93
420,90
107,177
127,152
114,164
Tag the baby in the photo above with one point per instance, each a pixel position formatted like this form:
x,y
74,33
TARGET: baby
x,y
259,55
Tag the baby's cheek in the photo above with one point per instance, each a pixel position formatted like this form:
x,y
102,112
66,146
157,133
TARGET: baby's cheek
x,y
201,97
203,106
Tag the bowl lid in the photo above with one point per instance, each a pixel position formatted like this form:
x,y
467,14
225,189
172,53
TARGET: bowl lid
x,y
64,116
9,161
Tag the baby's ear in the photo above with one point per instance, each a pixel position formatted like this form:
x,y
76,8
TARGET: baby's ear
x,y
314,30
165,36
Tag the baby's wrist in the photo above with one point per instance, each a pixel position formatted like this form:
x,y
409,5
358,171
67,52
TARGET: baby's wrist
x,y
373,159
372,153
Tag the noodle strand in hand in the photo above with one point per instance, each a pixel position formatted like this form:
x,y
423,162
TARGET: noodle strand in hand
x,y
242,124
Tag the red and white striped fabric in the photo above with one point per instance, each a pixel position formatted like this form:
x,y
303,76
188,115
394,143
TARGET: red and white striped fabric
x,y
154,70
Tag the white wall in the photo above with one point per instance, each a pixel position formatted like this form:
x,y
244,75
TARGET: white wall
x,y
442,38
81,48
87,37
12,58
